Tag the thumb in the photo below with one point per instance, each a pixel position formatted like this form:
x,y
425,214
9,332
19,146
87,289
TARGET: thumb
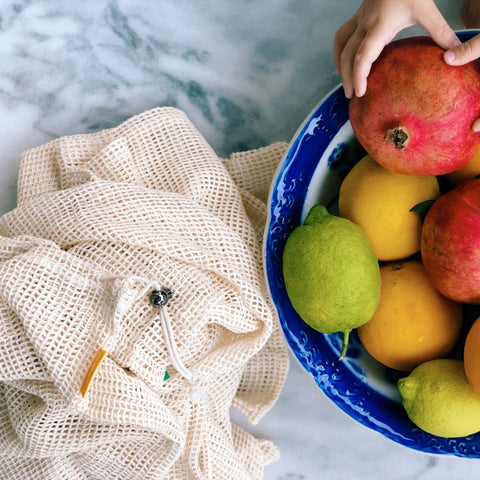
x,y
464,53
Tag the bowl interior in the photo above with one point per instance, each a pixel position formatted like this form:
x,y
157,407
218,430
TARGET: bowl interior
x,y
321,153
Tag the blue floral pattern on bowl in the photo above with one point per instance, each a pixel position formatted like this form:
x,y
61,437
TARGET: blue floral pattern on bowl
x,y
321,153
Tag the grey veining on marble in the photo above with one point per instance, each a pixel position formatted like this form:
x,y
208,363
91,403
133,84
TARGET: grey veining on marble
x,y
246,73
89,65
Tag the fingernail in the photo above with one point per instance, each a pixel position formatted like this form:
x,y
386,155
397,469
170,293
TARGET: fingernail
x,y
476,125
449,56
360,92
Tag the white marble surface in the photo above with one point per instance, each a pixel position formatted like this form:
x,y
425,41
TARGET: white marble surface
x,y
247,73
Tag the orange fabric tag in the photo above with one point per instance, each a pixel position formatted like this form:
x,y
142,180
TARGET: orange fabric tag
x,y
87,380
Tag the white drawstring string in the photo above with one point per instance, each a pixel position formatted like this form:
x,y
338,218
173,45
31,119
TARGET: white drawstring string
x,y
159,297
172,347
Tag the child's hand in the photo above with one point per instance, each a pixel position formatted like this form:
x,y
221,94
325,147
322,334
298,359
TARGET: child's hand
x,y
360,41
463,53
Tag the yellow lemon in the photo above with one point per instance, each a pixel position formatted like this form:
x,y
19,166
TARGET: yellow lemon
x,y
380,202
438,399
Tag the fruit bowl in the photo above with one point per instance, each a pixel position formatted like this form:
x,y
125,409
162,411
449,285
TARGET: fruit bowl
x,y
319,156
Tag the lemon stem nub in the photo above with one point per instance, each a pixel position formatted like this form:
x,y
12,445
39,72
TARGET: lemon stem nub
x,y
346,335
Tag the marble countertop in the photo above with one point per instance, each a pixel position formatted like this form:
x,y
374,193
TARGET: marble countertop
x,y
246,73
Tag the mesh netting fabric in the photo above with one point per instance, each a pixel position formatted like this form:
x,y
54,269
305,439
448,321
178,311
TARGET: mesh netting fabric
x,y
102,220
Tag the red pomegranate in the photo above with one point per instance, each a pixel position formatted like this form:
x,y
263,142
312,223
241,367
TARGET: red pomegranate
x,y
450,243
416,115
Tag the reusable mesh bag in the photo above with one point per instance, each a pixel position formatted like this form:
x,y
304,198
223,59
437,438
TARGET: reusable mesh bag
x,y
133,308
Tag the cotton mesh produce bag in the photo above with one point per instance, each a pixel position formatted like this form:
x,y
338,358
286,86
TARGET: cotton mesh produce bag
x,y
133,308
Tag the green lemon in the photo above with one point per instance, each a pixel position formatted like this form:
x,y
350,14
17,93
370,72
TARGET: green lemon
x,y
331,273
438,399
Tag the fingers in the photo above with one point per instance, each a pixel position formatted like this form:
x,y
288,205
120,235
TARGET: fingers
x,y
355,49
347,59
341,39
463,53
436,25
369,50
359,42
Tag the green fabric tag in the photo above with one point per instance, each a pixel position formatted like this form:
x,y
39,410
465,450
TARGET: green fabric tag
x,y
166,376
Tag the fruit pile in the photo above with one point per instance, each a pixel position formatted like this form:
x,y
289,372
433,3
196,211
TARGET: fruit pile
x,y
401,261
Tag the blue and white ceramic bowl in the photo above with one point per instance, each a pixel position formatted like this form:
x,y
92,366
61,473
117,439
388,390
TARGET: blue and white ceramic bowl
x,y
320,155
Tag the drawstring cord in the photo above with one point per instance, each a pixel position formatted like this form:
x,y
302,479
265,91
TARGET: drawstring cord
x,y
158,298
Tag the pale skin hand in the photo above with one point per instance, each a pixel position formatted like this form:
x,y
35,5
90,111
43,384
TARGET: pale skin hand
x,y
359,42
